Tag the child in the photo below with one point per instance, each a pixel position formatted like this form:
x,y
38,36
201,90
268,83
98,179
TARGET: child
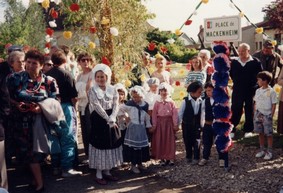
x,y
189,116
196,73
136,146
165,124
105,151
152,94
206,123
161,73
265,104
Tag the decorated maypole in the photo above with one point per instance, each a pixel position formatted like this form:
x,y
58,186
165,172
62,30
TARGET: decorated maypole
x,y
221,110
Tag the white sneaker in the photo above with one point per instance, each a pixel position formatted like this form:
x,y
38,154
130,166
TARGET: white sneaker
x,y
248,135
202,162
268,156
260,154
135,170
71,173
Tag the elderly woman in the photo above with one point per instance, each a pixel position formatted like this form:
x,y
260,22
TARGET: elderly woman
x,y
27,88
17,61
207,67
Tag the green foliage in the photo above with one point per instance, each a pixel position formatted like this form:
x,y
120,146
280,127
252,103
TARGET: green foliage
x,y
177,51
22,26
274,12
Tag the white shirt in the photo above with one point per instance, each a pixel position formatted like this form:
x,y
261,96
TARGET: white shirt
x,y
202,116
244,63
81,83
195,104
150,98
264,99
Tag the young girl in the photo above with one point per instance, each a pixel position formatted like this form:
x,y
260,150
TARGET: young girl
x,y
136,141
196,73
189,116
152,94
165,124
161,73
105,151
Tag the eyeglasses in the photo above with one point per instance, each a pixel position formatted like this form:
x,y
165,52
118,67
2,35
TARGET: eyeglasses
x,y
48,64
86,60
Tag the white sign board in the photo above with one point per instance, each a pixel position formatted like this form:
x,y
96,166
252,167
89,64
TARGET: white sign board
x,y
223,29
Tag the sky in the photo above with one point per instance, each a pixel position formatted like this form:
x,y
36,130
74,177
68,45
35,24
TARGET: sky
x,y
171,14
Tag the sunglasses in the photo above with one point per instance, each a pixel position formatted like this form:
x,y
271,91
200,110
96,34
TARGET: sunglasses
x,y
48,64
86,60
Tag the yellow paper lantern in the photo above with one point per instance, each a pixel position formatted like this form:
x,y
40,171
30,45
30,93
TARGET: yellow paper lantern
x,y
142,77
274,42
67,34
91,45
204,1
128,83
277,88
178,32
259,30
105,21
45,4
241,14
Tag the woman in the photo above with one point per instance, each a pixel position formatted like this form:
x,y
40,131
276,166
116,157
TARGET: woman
x,y
17,61
27,88
85,61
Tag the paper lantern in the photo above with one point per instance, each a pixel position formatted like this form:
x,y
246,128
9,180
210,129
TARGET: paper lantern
x,y
49,31
92,29
52,24
277,88
114,31
67,34
128,83
178,32
241,14
91,45
142,77
188,22
45,4
171,41
105,21
74,7
274,42
259,30
204,1
151,46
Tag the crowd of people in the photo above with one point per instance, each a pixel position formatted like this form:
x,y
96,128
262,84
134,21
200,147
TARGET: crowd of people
x,y
43,98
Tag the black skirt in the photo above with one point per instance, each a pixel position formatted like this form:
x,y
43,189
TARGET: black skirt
x,y
101,135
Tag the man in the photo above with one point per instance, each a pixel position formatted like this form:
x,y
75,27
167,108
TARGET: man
x,y
270,60
243,72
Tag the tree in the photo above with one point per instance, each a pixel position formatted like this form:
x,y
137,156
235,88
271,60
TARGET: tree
x,y
22,26
274,14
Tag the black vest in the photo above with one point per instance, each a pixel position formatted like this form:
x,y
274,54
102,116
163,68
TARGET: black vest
x,y
208,110
189,117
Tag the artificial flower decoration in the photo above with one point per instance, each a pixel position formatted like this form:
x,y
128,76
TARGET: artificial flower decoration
x,y
105,21
54,14
52,24
48,38
57,1
142,77
114,31
241,14
259,30
188,22
182,72
151,46
67,34
151,70
277,88
274,42
204,1
127,83
46,50
182,94
177,83
105,60
92,29
47,44
45,4
8,45
171,41
158,55
49,31
178,32
91,45
74,7
163,49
